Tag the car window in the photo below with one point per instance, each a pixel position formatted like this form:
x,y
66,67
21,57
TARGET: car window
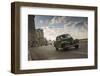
x,y
65,36
68,36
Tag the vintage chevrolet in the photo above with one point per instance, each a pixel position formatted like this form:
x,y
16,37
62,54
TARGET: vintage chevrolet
x,y
65,41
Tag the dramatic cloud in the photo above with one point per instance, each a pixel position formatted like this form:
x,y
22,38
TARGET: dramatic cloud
x,y
57,25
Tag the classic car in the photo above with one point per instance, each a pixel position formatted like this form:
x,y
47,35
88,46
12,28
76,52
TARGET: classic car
x,y
65,41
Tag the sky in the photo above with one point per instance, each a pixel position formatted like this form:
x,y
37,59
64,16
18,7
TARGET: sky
x,y
53,26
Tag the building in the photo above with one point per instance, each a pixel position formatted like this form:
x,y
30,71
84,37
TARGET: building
x,y
35,36
32,40
40,37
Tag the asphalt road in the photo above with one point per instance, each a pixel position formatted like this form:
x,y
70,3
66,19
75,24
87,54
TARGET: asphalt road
x,y
49,52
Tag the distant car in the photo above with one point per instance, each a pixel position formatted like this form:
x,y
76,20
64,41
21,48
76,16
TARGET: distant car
x,y
65,41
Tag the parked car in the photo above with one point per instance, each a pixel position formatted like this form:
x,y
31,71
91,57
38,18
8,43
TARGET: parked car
x,y
65,41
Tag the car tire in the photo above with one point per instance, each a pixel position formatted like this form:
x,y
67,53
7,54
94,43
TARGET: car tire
x,y
76,46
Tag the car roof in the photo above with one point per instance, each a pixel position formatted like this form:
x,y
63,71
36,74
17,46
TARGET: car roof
x,y
63,35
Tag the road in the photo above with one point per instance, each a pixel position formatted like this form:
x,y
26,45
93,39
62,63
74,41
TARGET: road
x,y
49,52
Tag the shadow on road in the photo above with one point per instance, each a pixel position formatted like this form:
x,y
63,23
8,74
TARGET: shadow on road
x,y
67,49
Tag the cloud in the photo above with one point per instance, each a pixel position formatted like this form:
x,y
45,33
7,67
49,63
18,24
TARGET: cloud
x,y
57,20
76,26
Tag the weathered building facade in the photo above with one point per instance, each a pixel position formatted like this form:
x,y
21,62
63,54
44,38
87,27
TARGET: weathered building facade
x,y
40,37
35,36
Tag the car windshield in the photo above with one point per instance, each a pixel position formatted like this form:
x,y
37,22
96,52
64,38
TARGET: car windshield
x,y
65,36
